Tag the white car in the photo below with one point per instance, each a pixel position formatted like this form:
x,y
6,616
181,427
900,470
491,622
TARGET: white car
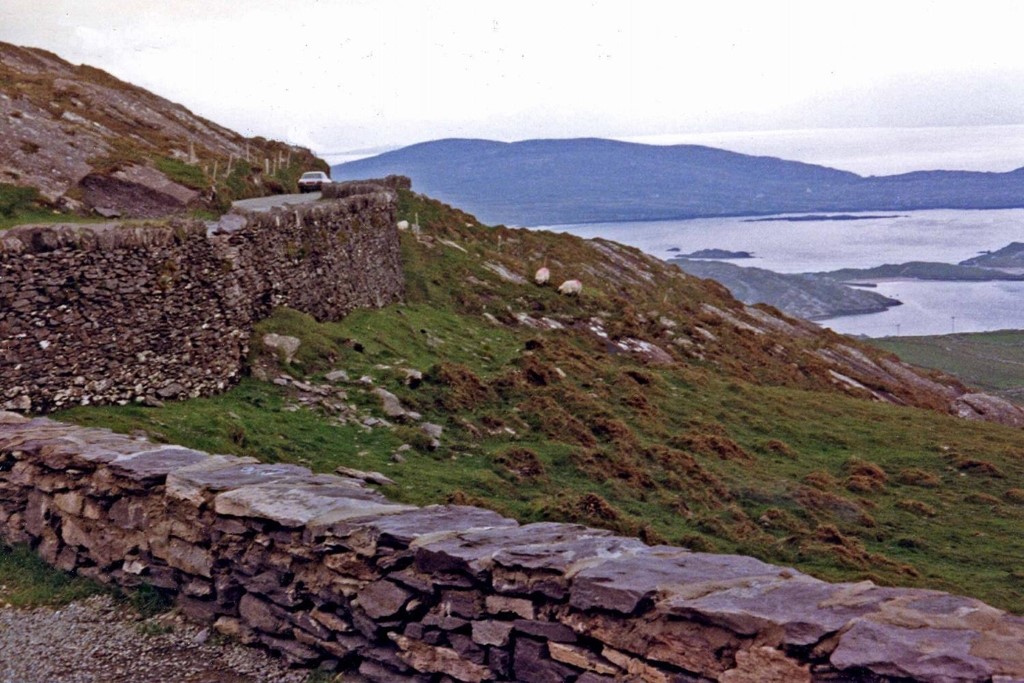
x,y
313,181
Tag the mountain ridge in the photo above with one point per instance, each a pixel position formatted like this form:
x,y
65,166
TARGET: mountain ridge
x,y
581,180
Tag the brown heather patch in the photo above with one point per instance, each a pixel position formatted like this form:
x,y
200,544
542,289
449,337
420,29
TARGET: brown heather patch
x,y
851,552
612,467
640,377
982,499
591,506
855,467
538,373
545,414
712,445
509,384
861,484
522,463
975,466
460,497
913,476
779,447
823,481
819,503
702,426
617,432
917,507
686,474
774,518
650,536
491,421
461,388
741,527
864,476
637,401
732,523
1014,496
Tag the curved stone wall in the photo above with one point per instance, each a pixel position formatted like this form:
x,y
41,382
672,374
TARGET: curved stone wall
x,y
328,572
119,312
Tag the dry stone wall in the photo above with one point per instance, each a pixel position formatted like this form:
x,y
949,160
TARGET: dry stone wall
x,y
330,573
122,312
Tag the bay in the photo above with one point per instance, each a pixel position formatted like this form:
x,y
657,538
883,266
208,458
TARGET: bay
x,y
874,239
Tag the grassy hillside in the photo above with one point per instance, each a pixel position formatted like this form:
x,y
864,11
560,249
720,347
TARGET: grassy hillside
x,y
698,432
993,361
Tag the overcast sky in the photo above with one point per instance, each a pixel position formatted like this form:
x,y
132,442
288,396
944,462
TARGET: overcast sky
x,y
347,75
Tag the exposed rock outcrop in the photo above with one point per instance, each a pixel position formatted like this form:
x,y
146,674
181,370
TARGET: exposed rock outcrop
x,y
85,139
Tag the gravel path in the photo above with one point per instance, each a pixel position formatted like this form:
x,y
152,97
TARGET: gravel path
x,y
96,641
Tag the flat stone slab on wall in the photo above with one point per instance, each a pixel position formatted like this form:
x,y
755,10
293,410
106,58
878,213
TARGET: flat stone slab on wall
x,y
326,571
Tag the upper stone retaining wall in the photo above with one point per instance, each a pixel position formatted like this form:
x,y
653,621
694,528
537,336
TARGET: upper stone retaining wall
x,y
328,572
119,312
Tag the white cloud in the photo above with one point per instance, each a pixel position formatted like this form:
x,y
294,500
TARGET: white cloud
x,y
348,74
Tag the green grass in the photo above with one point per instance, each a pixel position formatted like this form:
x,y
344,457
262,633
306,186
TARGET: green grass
x,y
45,216
182,173
15,199
27,581
993,361
745,450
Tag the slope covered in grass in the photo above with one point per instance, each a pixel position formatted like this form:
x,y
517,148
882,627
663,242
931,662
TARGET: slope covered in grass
x,y
652,404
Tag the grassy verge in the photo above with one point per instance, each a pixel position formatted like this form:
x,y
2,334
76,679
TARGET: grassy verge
x,y
27,581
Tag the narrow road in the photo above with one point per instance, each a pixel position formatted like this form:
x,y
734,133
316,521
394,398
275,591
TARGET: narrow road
x,y
268,203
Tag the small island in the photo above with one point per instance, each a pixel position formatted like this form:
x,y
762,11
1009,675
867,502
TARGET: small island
x,y
810,217
715,254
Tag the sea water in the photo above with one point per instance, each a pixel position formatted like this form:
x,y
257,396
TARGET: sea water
x,y
876,238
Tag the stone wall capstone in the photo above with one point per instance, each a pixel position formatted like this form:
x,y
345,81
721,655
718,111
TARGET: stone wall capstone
x,y
330,573
120,312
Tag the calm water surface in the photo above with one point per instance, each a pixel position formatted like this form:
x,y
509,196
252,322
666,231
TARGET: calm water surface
x,y
947,236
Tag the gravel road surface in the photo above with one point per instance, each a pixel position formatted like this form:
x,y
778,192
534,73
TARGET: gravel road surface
x,y
96,641
267,203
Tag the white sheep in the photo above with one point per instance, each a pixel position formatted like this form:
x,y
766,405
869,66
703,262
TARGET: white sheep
x,y
542,276
570,287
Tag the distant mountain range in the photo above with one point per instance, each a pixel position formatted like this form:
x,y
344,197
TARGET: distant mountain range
x,y
545,182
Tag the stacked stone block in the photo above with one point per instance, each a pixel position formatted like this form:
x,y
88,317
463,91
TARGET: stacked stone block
x,y
328,572
113,313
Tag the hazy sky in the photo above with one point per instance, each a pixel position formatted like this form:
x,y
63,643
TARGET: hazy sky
x,y
351,74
